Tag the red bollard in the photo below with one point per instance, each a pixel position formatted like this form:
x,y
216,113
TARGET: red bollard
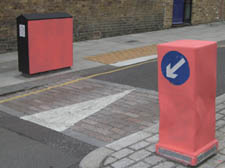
x,y
187,92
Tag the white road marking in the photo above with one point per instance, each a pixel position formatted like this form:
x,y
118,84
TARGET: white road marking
x,y
170,71
62,118
134,61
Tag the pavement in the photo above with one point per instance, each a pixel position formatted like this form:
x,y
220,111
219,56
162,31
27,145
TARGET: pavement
x,y
76,111
138,150
84,49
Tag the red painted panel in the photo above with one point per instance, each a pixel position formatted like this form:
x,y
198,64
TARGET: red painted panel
x,y
187,111
50,44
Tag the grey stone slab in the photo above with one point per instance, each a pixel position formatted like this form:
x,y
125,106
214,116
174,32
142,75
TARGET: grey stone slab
x,y
222,112
122,163
140,165
220,123
151,148
220,99
95,158
214,161
153,139
222,129
205,166
139,155
181,166
153,129
109,160
220,107
153,160
139,145
122,153
222,151
219,116
165,165
221,165
221,143
124,142
219,135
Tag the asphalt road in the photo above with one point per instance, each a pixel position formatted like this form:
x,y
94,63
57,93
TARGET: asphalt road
x,y
145,76
21,152
220,72
27,145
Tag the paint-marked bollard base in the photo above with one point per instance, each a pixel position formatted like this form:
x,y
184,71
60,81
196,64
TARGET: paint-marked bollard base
x,y
188,159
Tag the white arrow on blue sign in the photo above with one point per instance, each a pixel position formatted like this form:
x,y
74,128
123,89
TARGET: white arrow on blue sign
x,y
175,68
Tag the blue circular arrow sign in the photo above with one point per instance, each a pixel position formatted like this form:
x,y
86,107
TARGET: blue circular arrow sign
x,y
175,68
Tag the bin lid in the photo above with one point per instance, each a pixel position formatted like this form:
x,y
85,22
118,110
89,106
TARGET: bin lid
x,y
42,16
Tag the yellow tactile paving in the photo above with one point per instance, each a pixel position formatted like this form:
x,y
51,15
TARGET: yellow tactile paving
x,y
117,56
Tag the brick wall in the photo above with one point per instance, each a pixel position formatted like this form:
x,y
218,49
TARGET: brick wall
x,y
168,13
206,11
93,19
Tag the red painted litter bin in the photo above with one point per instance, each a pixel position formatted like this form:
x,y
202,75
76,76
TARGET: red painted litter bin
x,y
45,42
187,92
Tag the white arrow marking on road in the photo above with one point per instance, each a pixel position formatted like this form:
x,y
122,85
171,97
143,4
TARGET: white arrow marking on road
x,y
170,71
62,118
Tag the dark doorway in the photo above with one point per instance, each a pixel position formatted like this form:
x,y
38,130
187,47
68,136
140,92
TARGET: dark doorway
x,y
182,10
187,11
